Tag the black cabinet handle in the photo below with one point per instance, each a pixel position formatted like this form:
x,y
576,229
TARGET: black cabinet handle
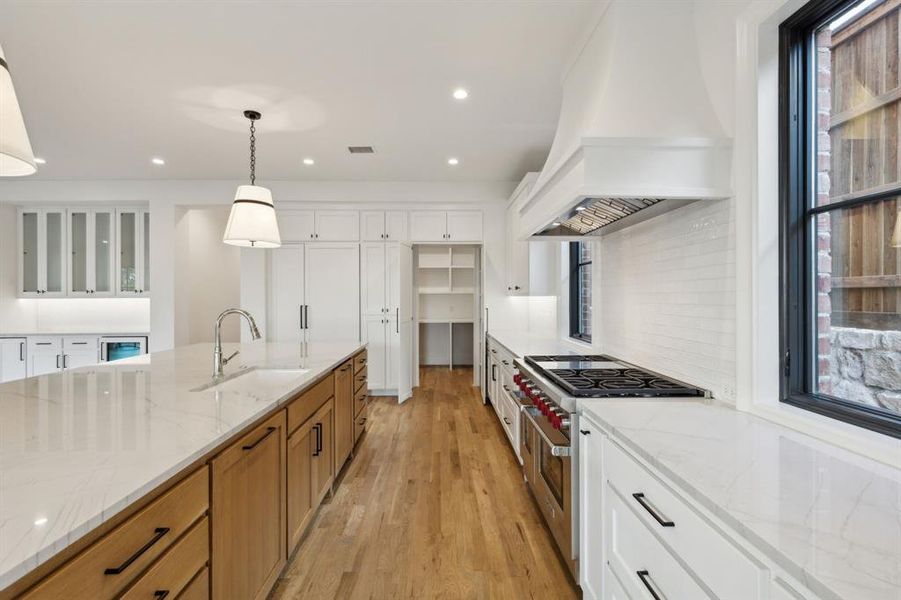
x,y
646,580
493,372
318,428
584,432
269,431
639,497
160,594
507,421
57,361
158,534
22,351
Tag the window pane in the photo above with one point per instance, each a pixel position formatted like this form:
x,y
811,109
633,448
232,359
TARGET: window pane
x,y
585,290
858,305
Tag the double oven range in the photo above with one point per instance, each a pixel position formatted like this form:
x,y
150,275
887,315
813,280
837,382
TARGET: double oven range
x,y
548,390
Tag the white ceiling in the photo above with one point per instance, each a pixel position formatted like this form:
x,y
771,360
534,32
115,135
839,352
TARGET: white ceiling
x,y
105,86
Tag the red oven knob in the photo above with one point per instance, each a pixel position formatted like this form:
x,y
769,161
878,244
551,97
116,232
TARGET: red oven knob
x,y
517,378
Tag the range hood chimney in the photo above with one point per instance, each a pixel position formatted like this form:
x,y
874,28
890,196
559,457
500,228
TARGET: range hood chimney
x,y
638,134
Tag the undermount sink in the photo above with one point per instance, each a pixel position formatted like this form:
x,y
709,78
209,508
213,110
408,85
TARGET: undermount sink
x,y
254,380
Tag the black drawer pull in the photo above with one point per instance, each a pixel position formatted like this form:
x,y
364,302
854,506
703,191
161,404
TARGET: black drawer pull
x,y
269,430
507,421
639,497
318,429
158,534
160,594
646,580
584,432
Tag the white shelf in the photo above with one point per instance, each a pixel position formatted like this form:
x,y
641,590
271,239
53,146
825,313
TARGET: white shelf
x,y
446,291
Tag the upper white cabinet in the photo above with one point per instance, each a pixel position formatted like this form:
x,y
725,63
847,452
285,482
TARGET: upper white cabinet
x,y
91,264
133,255
381,225
319,225
446,226
42,252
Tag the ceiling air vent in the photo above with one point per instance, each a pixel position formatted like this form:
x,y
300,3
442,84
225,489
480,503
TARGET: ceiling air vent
x,y
361,149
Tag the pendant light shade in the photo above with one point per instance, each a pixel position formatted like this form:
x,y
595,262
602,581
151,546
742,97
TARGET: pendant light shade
x,y
16,157
252,221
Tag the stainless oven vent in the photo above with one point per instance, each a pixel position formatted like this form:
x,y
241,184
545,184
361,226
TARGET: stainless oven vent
x,y
600,216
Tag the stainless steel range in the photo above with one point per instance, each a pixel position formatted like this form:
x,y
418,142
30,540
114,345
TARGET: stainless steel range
x,y
549,388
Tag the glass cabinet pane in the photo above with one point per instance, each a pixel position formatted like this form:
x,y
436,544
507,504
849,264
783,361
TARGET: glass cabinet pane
x,y
103,227
145,287
78,224
127,251
55,234
30,252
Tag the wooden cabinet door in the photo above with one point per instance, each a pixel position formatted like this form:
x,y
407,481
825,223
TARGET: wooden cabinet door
x,y
374,335
344,413
464,225
301,446
249,513
428,226
323,455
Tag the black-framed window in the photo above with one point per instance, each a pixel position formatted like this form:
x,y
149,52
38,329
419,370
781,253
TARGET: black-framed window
x,y
580,290
840,226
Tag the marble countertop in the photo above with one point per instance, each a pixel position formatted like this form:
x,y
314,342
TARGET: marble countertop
x,y
524,343
78,447
829,517
70,333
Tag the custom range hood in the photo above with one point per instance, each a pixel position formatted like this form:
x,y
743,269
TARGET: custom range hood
x,y
639,133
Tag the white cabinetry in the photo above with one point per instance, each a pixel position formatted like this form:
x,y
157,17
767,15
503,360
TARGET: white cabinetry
x,y
49,354
314,293
12,359
319,225
446,226
381,225
592,575
42,252
92,259
133,255
529,265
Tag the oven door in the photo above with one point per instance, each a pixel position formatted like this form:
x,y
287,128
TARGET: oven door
x,y
552,482
115,348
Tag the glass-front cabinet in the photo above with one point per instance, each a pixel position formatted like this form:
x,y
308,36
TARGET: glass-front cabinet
x,y
91,252
42,252
133,262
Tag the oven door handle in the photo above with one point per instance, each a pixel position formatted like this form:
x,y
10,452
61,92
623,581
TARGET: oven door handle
x,y
556,450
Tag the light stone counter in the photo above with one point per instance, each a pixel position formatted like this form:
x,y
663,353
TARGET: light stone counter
x,y
78,447
830,518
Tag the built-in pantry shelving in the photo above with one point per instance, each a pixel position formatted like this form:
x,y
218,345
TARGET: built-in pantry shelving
x,y
447,303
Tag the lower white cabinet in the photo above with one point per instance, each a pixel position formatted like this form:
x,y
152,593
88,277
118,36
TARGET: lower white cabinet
x,y
13,364
49,354
381,291
593,573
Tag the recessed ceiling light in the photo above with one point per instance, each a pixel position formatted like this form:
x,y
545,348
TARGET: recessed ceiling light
x,y
40,161
309,161
580,208
157,161
461,94
453,162
40,521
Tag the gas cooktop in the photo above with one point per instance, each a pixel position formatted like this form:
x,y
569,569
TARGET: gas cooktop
x,y
600,376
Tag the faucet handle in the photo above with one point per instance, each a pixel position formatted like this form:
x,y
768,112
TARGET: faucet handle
x,y
233,354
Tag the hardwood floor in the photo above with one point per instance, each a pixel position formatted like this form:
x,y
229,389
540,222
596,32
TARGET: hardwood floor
x,y
432,506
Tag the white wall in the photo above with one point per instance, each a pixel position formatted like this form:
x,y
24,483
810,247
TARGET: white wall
x,y
58,315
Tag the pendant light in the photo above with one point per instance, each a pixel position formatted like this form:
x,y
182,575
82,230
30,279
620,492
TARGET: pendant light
x,y
252,221
16,157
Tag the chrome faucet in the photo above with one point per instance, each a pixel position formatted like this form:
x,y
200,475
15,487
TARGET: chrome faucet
x,y
218,361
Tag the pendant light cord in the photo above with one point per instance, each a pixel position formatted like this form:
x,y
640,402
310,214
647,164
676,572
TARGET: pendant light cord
x,y
253,154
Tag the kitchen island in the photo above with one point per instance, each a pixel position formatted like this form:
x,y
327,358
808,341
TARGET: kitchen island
x,y
86,452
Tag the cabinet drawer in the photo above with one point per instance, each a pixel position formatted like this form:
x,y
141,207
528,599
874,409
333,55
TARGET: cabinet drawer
x,y
360,424
716,561
304,406
199,588
645,568
107,567
44,344
360,379
176,568
360,399
80,343
360,361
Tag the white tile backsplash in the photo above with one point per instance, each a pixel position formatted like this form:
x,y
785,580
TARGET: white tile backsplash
x,y
667,295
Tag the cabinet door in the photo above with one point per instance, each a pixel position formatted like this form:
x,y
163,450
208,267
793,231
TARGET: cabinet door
x,y
392,355
301,446
145,252
517,258
323,456
396,226
42,247
80,249
428,225
373,283
29,252
103,257
248,509
91,259
344,413
372,225
464,225
42,362
332,292
374,336
296,225
80,358
286,265
337,226
12,359
131,264
591,509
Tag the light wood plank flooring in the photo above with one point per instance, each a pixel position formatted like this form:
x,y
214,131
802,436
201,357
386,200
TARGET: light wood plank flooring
x,y
432,506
